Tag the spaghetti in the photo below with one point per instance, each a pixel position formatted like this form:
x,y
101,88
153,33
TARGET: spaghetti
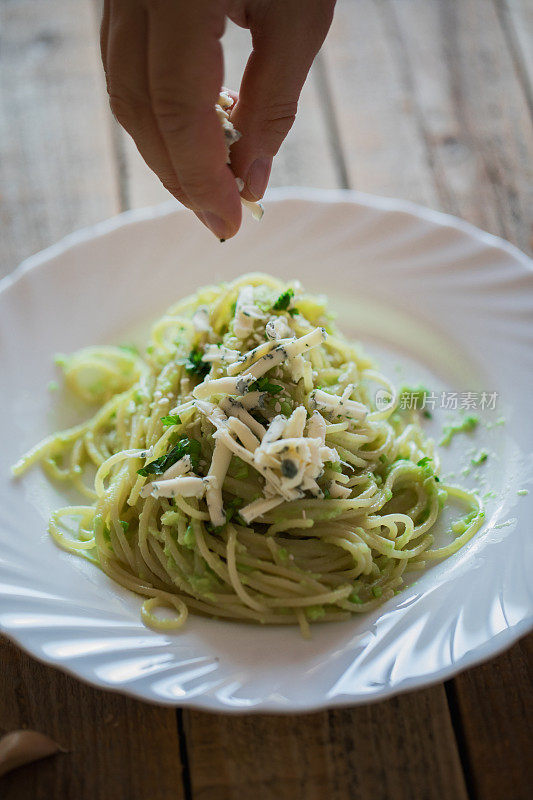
x,y
240,469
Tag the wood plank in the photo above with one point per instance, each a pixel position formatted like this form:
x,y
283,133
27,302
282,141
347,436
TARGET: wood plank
x,y
57,172
380,133
493,704
396,750
516,17
116,747
449,126
56,166
472,110
301,159
468,102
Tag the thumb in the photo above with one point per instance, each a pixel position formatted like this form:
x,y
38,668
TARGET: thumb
x,y
286,36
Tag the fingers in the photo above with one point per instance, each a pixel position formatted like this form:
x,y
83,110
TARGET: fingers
x,y
185,72
163,65
124,43
286,36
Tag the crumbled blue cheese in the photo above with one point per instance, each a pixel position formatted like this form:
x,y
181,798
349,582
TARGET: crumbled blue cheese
x,y
200,319
246,312
215,353
338,404
278,328
232,135
184,486
290,453
181,467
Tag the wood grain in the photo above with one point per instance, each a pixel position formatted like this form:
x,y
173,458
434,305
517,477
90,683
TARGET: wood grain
x,y
516,17
449,125
115,747
401,749
57,172
467,93
56,162
423,99
492,704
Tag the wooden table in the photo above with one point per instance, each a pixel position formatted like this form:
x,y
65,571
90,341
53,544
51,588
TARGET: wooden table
x,y
422,99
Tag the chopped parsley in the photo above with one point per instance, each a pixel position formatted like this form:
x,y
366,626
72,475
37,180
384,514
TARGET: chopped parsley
x,y
284,300
185,447
171,419
238,468
129,348
467,425
286,408
125,525
424,461
413,397
231,509
480,458
264,385
194,364
314,613
189,538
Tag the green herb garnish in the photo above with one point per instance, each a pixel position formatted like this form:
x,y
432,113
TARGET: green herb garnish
x,y
264,385
314,613
283,301
467,425
480,458
286,408
194,364
125,525
238,468
172,419
129,348
185,447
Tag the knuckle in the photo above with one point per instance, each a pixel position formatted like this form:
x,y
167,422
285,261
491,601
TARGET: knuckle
x,y
127,109
277,121
173,116
199,188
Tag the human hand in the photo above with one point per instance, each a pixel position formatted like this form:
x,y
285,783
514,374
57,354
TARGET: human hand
x,y
164,70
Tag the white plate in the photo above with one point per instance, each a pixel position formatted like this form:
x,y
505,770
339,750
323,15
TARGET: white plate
x,y
453,304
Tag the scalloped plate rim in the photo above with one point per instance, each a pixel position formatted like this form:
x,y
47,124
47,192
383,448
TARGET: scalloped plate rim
x,y
478,654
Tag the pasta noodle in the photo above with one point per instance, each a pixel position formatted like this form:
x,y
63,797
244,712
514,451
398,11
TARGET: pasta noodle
x,y
240,469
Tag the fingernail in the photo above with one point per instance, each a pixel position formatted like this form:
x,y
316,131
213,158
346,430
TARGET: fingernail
x,y
215,224
257,177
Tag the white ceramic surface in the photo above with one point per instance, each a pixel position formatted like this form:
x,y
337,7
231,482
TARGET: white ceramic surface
x,y
451,304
